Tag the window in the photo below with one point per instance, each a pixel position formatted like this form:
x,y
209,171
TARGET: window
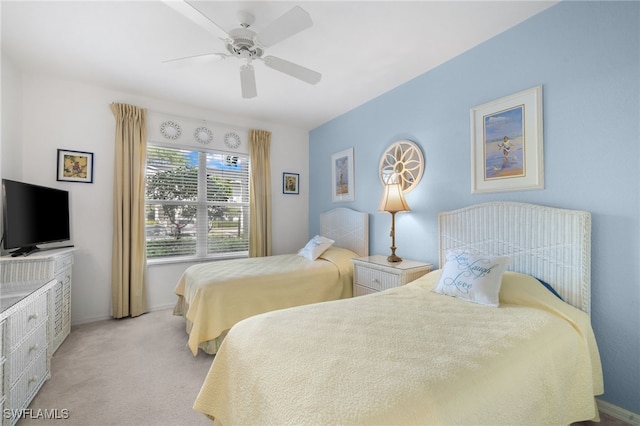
x,y
197,204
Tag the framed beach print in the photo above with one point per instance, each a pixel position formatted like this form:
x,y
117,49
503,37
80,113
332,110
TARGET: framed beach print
x,y
290,183
506,143
342,176
75,166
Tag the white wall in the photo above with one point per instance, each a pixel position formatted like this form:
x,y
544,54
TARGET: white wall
x,y
10,149
71,115
10,134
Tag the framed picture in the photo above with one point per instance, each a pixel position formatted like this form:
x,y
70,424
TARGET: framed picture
x,y
506,143
342,176
290,183
75,166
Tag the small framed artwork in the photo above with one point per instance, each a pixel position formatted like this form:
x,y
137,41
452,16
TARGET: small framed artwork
x,y
342,179
506,143
290,183
75,166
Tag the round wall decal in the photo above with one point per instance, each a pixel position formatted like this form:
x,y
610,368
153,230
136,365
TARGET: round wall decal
x,y
402,163
170,130
203,135
232,140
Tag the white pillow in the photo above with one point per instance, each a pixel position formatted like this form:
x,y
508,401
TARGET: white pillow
x,y
475,278
315,247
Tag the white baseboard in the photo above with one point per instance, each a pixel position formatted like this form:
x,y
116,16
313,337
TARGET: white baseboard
x,y
108,317
161,307
619,413
90,320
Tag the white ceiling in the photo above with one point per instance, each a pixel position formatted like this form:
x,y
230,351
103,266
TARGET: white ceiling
x,y
362,49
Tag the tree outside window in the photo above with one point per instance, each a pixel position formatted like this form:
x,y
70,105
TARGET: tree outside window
x,y
197,203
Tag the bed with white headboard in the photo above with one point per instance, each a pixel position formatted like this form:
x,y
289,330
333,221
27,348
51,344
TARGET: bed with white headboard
x,y
549,243
213,296
411,355
348,228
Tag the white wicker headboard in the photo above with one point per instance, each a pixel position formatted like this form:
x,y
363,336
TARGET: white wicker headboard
x,y
548,243
348,228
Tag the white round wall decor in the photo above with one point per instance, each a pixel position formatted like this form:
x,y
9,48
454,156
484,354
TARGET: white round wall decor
x,y
203,135
232,140
170,130
403,163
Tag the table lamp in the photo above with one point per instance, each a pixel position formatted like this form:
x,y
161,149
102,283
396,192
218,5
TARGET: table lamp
x,y
393,202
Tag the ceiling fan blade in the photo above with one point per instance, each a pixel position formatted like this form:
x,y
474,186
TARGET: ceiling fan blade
x,y
292,22
248,81
197,58
186,9
294,70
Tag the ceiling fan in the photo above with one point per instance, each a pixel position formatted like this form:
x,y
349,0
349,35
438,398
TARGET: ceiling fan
x,y
248,46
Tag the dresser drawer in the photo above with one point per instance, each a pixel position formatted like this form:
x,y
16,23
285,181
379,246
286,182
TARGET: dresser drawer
x,y
1,338
26,352
19,270
2,363
28,383
375,279
22,322
359,290
2,390
372,274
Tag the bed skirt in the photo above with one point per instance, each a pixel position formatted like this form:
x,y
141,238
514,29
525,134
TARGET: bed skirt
x,y
210,346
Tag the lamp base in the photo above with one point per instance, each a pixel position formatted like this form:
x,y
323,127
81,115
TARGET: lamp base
x,y
393,258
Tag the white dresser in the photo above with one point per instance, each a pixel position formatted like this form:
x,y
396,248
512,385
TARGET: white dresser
x,y
2,361
35,318
374,273
46,265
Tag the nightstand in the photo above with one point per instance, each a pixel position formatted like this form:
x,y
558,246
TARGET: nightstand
x,y
373,273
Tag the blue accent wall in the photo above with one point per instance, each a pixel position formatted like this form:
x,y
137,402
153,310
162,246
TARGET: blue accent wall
x,y
586,55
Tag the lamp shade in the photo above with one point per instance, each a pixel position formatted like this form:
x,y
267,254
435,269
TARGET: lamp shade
x,y
393,199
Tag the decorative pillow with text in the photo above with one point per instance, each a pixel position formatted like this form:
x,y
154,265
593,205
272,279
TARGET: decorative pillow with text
x,y
315,247
475,278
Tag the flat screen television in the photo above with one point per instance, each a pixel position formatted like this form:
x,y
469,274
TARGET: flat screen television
x,y
32,215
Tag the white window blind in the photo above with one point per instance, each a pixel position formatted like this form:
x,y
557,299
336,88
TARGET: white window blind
x,y
197,203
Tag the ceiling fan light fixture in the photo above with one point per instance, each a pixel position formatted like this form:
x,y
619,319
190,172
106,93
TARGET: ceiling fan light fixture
x,y
248,81
241,42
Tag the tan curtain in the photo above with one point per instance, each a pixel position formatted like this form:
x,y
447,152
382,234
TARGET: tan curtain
x,y
129,257
260,193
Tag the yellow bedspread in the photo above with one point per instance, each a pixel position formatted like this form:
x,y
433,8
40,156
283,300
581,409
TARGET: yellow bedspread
x,y
410,356
217,295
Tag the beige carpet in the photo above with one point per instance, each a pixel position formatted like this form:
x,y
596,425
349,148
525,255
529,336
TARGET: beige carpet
x,y
134,371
